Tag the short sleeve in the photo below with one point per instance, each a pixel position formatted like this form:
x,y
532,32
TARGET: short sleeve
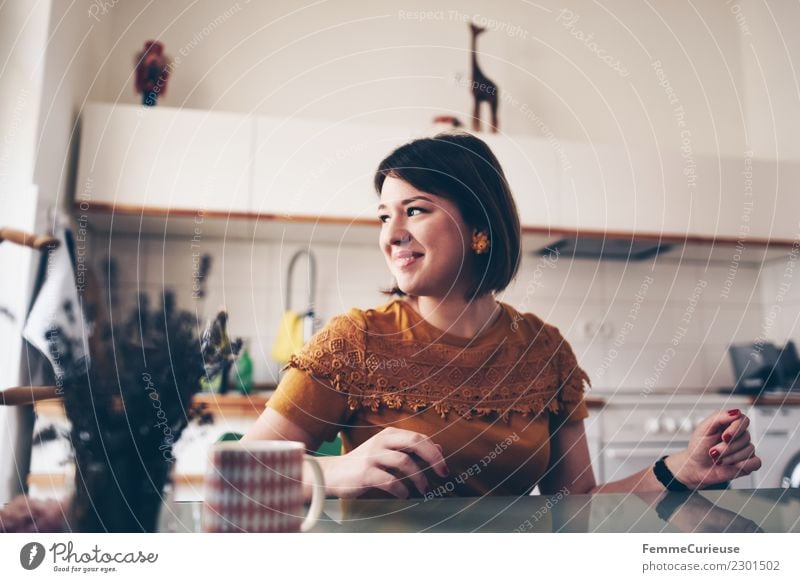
x,y
320,388
573,381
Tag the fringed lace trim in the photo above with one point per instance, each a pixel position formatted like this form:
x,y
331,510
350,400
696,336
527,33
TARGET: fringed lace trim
x,y
516,377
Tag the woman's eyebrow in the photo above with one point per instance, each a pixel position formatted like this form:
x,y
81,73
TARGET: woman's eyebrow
x,y
408,200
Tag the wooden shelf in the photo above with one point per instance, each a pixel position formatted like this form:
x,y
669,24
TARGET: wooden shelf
x,y
222,405
595,402
56,480
308,229
59,480
234,405
791,399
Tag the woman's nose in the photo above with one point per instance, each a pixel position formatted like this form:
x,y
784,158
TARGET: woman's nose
x,y
396,232
400,237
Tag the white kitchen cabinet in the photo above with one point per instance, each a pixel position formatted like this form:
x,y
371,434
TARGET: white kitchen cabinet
x,y
324,168
611,188
744,198
597,189
716,191
647,190
320,168
530,168
776,199
165,158
179,159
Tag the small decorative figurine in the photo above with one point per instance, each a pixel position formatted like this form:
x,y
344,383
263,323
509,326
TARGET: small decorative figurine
x,y
152,72
483,88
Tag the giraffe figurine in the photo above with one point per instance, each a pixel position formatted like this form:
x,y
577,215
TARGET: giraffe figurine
x,y
483,88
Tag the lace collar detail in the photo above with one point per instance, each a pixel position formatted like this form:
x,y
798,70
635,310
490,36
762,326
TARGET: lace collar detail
x,y
528,371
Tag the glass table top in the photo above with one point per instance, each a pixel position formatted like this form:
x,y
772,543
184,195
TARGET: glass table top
x,y
733,510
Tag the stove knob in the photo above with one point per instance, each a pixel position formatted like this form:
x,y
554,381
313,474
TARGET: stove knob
x,y
669,425
651,425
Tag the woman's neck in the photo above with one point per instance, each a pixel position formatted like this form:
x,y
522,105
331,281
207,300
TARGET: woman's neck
x,y
457,316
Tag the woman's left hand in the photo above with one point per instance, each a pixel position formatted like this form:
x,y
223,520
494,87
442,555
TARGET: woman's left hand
x,y
719,450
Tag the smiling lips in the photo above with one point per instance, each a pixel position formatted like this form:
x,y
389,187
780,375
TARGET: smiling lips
x,y
405,258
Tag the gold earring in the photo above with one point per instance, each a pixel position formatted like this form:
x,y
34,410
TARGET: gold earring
x,y
480,243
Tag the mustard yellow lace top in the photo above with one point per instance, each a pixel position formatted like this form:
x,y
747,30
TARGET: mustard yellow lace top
x,y
491,401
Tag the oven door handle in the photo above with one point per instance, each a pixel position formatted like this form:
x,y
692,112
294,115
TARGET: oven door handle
x,y
629,453
776,433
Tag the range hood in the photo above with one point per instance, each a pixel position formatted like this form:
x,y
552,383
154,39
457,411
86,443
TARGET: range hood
x,y
605,248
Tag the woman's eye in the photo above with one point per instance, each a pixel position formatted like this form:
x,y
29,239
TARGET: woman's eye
x,y
383,217
415,209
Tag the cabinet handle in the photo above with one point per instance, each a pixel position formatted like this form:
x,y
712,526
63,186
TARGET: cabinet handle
x,y
778,433
632,453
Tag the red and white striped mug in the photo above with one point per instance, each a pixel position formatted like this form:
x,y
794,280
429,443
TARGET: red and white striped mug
x,y
257,486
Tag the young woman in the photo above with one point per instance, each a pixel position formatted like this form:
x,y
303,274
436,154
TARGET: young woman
x,y
444,390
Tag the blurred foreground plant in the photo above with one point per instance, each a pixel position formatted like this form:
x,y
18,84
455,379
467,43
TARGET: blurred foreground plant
x,y
128,404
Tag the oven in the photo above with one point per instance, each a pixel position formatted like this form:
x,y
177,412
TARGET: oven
x,y
776,434
636,432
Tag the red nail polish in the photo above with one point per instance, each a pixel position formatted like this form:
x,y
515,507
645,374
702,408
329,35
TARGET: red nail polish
x,y
726,437
734,412
714,453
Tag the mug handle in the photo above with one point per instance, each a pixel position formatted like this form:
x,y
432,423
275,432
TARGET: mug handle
x,y
317,496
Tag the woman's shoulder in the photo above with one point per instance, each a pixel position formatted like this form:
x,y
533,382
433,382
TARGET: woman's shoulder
x,y
385,316
530,326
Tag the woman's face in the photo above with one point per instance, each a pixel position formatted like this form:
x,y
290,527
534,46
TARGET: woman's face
x,y
424,240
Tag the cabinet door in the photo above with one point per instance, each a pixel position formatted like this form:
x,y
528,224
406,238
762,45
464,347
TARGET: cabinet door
x,y
320,168
530,168
165,158
776,200
639,189
744,198
720,199
597,189
787,205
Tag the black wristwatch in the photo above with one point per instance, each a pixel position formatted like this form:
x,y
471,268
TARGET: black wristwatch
x,y
666,478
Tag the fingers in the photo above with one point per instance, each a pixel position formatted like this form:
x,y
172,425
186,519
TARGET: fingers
x,y
747,466
744,453
719,421
380,479
735,429
414,442
403,464
740,440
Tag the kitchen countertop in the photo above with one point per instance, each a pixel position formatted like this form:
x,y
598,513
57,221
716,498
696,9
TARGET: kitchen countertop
x,y
605,397
777,399
733,510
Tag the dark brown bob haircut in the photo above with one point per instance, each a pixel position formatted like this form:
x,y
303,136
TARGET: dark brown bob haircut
x,y
461,168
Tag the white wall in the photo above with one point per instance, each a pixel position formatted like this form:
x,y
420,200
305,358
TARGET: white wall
x,y
770,50
780,285
50,54
23,33
76,47
344,58
591,302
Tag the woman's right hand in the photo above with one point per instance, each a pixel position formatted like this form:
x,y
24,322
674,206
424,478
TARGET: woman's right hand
x,y
391,461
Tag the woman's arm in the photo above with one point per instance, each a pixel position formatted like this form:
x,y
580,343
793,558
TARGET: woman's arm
x,y
391,460
571,467
273,426
719,450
